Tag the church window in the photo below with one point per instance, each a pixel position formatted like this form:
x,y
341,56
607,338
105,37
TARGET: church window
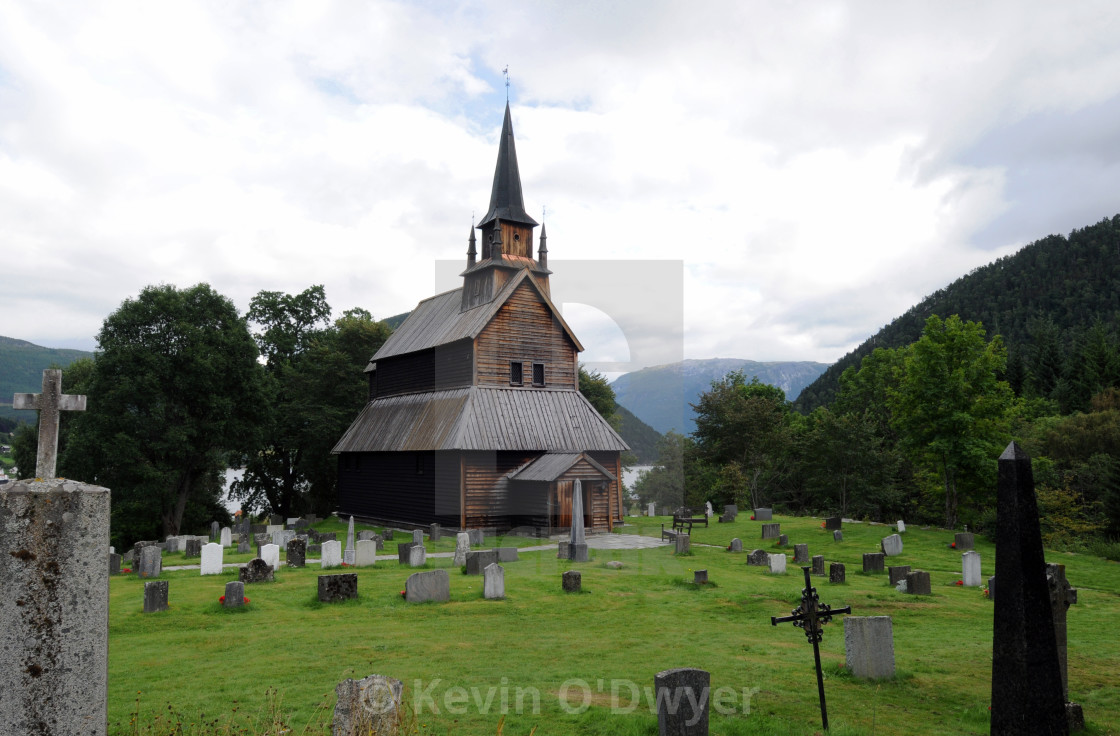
x,y
515,373
538,374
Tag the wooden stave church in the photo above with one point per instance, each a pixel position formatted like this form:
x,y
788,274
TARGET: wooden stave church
x,y
474,418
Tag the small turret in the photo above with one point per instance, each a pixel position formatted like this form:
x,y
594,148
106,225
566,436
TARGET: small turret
x,y
542,251
471,252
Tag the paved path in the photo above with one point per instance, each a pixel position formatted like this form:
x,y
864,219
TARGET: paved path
x,y
594,541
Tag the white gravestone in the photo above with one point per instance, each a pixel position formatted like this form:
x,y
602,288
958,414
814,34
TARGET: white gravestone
x,y
493,581
270,553
970,569
365,553
212,559
227,537
777,564
900,525
892,545
708,511
417,555
462,547
331,554
652,510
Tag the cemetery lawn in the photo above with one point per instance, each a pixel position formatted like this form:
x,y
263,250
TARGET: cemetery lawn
x,y
213,670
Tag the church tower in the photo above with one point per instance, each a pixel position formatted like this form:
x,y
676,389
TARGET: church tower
x,y
506,233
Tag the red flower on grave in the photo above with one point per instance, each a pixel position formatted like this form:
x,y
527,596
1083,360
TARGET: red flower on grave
x,y
822,525
752,518
222,599
960,582
953,545
986,593
346,564
403,592
246,600
127,569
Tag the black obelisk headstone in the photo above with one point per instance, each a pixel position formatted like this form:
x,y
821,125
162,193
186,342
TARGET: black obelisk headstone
x,y
1026,680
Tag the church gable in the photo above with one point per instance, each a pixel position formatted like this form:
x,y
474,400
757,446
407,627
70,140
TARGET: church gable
x,y
526,345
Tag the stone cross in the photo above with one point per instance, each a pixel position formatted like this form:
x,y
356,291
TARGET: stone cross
x,y
811,616
49,403
1062,595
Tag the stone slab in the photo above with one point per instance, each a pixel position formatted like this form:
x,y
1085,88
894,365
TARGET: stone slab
x,y
572,581
736,545
683,698
896,573
493,581
800,554
873,561
970,569
337,588
918,583
235,594
891,545
477,560
430,585
763,514
417,555
759,557
777,563
836,572
296,553
270,553
256,571
869,646
212,555
365,553
833,523
331,554
155,595
771,531
507,554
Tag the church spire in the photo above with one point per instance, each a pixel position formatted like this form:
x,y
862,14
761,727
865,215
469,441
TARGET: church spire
x,y
471,252
506,201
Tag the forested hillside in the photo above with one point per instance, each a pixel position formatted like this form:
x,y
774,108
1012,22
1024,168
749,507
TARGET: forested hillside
x,y
1052,291
21,369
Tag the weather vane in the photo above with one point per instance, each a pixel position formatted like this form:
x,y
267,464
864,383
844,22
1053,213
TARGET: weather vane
x,y
506,72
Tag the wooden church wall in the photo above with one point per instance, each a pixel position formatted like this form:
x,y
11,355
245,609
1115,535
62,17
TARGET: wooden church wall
x,y
524,330
397,487
447,366
486,487
612,461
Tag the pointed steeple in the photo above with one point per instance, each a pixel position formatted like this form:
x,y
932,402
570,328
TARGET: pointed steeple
x,y
506,201
472,254
542,251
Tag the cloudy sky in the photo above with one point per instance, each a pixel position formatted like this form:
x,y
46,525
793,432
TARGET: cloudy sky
x,y
807,170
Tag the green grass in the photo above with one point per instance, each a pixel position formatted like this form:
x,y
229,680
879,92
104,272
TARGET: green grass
x,y
279,659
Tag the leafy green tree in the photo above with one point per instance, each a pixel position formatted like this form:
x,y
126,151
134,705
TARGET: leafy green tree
x,y
664,484
846,461
1044,369
951,407
175,386
596,389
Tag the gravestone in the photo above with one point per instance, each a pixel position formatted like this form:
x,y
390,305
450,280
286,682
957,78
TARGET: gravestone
x,y
273,528
243,545
763,514
477,560
873,561
736,545
275,519
836,572
777,563
837,536
783,540
771,531
1026,675
731,510
918,583
818,565
235,594
155,595
800,554
964,540
402,552
477,537
215,530
256,571
869,646
683,544
725,519
328,537
699,577
462,547
708,511
151,563
417,555
891,545
651,509
578,553
572,581
171,544
759,557
432,585
506,554
896,573
832,523
193,548
227,537
314,549
367,706
387,534
493,581
270,553
970,569
211,559
682,697
337,588
900,526
376,538
348,552
296,553
417,536
54,608
434,532
563,550
49,403
331,555
992,588
365,553
1062,595
114,564
366,534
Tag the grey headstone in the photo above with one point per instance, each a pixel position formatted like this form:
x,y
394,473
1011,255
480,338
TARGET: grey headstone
x,y
193,548
506,554
402,552
758,557
578,553
54,609
493,581
417,555
244,546
417,536
368,706
366,534
155,596
892,545
330,554
873,561
151,563
477,560
226,537
832,523
838,536
970,569
818,565
836,573
256,571
896,573
462,547
114,564
683,544
431,585
1062,596
171,544
214,530
771,531
572,581
992,588
365,553
683,702
731,510
387,534
235,594
800,554
477,537
335,588
869,646
736,545
296,553
348,550
328,537
964,541
434,532
276,519
652,509
918,583
900,526
563,551
777,563
763,514
783,540
700,577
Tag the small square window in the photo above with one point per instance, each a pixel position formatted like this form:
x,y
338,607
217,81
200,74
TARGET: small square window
x,y
515,373
538,374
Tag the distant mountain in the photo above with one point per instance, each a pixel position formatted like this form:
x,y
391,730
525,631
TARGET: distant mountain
x,y
661,395
21,369
1072,281
641,437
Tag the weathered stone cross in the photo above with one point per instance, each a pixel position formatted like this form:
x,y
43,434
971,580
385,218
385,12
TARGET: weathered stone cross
x,y
49,403
811,616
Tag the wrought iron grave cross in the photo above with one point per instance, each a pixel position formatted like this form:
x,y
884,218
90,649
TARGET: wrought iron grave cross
x,y
49,403
811,616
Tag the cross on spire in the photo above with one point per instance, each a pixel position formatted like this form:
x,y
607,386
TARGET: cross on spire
x,y
506,72
811,616
49,403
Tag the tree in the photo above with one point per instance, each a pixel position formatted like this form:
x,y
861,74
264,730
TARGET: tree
x,y
950,409
845,460
596,389
175,386
664,484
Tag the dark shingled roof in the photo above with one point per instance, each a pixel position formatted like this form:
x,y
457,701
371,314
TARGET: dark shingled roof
x,y
506,202
552,465
475,418
439,321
